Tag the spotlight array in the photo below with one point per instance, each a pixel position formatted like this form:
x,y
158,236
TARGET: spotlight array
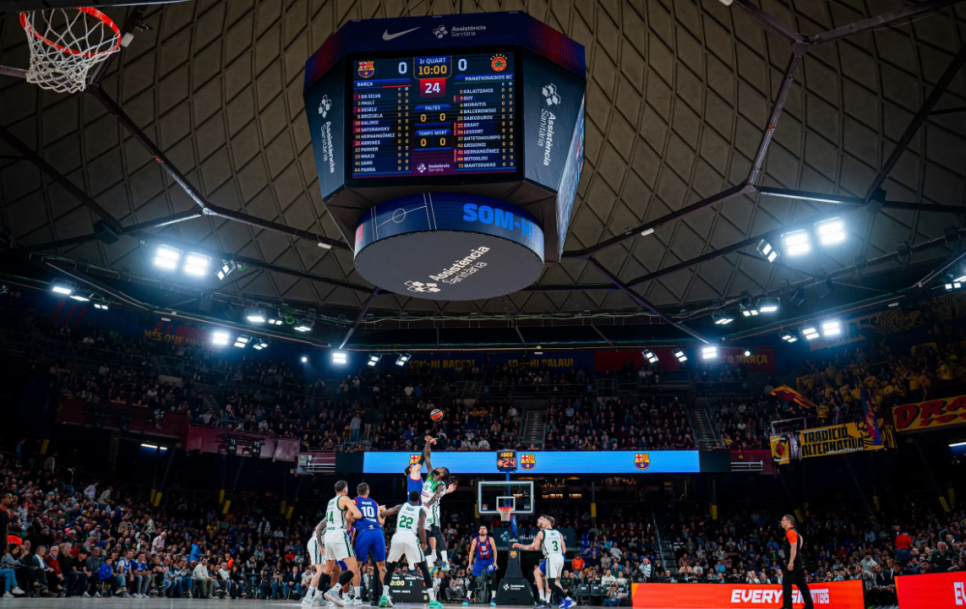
x,y
403,359
650,356
721,318
242,341
374,358
220,337
788,337
767,250
340,357
797,243
227,266
709,352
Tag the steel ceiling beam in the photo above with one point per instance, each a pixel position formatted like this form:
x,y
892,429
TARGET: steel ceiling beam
x,y
849,201
118,113
954,66
646,303
798,53
880,21
769,22
125,231
359,317
59,178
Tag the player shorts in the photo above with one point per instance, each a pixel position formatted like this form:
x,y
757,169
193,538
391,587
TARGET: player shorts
x,y
482,566
552,566
406,544
316,556
371,541
337,545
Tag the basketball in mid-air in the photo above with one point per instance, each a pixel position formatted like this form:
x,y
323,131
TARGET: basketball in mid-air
x,y
436,414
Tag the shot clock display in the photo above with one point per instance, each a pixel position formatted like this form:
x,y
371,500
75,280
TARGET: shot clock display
x,y
506,461
433,115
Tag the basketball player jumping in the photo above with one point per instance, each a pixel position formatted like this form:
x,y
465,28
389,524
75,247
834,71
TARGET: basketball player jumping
x,y
482,560
435,479
409,540
554,548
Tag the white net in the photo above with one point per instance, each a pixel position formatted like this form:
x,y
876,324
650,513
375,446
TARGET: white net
x,y
65,44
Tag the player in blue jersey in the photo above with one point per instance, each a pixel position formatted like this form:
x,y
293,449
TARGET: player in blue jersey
x,y
369,536
482,561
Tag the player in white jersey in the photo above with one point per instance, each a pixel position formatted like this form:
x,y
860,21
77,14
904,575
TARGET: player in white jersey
x,y
409,540
337,544
438,478
316,560
554,549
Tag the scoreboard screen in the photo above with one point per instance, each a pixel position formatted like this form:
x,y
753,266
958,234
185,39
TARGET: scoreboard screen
x,y
506,461
433,115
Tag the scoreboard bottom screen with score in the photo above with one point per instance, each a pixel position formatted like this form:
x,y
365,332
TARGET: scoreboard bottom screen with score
x,y
506,461
434,115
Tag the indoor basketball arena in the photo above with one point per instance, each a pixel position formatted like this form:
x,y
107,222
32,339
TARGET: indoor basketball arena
x,y
656,304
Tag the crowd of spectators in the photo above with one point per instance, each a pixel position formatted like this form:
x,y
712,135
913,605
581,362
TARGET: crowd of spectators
x,y
658,422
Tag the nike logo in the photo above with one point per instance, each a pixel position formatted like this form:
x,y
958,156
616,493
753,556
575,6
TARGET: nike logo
x,y
387,36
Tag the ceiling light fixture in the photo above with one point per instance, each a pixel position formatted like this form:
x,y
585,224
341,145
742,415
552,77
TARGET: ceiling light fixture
x,y
650,356
242,341
255,316
768,305
810,333
721,318
830,231
374,358
196,264
258,344
220,337
788,337
340,357
679,355
167,257
81,297
831,328
403,359
59,286
227,266
796,243
767,250
709,352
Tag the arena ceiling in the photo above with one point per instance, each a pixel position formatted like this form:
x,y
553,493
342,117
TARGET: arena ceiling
x,y
698,115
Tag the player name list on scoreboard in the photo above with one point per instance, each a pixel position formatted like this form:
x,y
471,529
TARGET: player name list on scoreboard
x,y
434,115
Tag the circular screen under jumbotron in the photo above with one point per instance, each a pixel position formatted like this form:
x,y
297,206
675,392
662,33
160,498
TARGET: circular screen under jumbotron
x,y
449,247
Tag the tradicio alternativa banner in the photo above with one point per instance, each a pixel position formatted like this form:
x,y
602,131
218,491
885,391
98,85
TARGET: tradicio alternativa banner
x,y
831,595
933,591
836,440
931,414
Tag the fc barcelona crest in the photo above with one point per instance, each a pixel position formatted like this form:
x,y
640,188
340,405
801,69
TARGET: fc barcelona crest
x,y
367,69
642,461
414,458
528,462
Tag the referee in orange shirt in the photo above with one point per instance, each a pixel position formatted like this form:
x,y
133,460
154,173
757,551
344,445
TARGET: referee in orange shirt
x,y
795,568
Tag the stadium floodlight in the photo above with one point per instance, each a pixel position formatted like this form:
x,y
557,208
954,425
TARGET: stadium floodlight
x,y
167,257
220,337
810,333
101,305
831,328
242,341
767,250
340,357
951,286
680,356
788,337
403,359
255,316
277,320
649,356
196,264
748,310
647,231
768,305
796,242
722,318
747,352
305,359
830,231
304,325
374,359
258,344
81,297
709,352
227,266
59,286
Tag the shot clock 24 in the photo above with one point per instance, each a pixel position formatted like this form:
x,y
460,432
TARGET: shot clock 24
x,y
434,115
506,461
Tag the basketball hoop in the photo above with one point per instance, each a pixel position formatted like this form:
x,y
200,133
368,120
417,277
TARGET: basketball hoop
x,y
506,512
65,44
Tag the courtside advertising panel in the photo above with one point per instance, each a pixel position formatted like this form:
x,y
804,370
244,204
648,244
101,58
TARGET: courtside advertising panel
x,y
933,591
831,595
542,462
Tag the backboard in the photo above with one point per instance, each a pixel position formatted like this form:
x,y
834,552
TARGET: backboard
x,y
491,494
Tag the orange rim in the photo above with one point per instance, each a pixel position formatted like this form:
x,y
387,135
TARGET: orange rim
x,y
28,27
